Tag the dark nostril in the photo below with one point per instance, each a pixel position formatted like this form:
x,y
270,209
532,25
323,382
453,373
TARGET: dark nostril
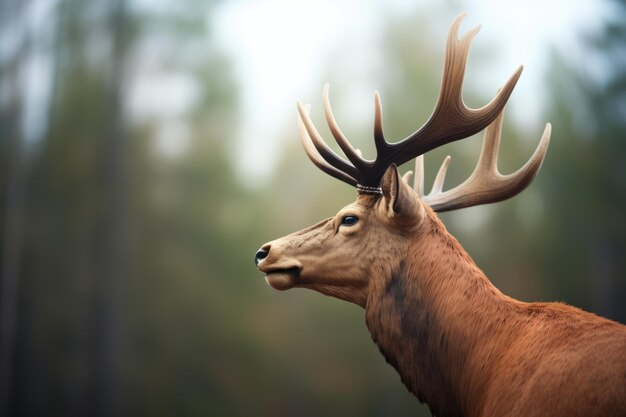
x,y
260,255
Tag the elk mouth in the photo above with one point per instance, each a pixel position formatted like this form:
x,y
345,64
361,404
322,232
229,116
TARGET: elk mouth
x,y
283,278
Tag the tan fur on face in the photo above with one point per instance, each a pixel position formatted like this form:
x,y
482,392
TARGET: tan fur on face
x,y
338,260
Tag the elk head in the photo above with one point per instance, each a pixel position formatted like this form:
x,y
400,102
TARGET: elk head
x,y
342,256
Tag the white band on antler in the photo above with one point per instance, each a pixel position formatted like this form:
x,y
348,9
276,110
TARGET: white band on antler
x,y
364,189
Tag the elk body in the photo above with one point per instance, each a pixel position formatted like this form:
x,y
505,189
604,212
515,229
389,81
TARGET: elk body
x,y
458,343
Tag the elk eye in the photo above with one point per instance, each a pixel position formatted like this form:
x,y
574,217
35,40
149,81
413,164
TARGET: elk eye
x,y
349,220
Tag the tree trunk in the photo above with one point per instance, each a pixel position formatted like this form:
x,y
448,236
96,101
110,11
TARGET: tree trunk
x,y
13,210
111,248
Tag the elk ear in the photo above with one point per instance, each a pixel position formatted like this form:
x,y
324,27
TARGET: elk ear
x,y
400,199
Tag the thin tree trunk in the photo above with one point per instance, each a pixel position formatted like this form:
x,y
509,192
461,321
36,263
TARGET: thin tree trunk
x,y
13,220
111,250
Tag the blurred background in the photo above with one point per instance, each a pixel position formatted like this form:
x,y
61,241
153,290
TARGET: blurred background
x,y
148,148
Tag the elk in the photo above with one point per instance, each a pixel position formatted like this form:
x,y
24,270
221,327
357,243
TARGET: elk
x,y
459,344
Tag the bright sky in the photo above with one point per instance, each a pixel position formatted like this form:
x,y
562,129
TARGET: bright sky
x,y
281,47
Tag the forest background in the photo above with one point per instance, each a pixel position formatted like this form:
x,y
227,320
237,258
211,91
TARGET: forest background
x,y
148,148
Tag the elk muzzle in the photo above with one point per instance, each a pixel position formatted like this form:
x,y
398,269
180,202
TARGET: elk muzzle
x,y
281,272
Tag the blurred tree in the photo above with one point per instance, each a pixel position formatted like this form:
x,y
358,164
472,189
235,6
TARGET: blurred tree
x,y
12,185
111,249
583,242
70,335
112,221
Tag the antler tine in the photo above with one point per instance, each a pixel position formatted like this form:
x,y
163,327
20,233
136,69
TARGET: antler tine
x,y
418,181
341,140
451,119
486,184
379,137
323,150
312,151
441,176
407,177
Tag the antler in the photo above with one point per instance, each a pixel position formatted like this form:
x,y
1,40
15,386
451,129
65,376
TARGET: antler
x,y
486,184
451,120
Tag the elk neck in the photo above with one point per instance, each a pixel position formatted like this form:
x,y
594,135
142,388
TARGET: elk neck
x,y
439,321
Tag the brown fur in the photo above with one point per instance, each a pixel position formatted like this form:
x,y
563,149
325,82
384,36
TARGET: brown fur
x,y
459,344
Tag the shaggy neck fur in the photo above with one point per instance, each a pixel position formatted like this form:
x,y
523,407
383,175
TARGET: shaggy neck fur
x,y
440,324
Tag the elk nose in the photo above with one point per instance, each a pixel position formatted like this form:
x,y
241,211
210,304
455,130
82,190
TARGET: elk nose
x,y
260,255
